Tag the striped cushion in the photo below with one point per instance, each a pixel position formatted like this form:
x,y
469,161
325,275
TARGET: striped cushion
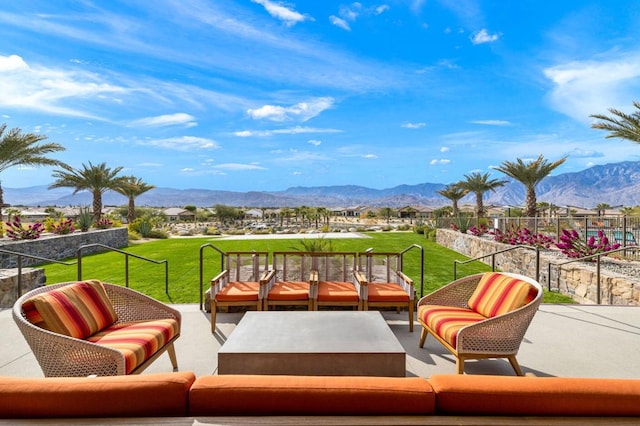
x,y
337,291
447,321
77,310
239,291
386,292
31,313
289,290
497,294
138,340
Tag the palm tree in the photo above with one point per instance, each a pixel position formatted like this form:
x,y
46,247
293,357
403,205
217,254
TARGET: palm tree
x,y
479,183
96,179
131,187
23,149
620,125
454,193
530,175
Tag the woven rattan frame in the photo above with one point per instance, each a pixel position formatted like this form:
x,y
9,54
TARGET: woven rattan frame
x,y
64,356
497,337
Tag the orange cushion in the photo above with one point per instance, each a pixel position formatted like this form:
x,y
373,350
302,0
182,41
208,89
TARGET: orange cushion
x,y
497,294
337,291
150,395
238,291
77,310
289,290
535,396
31,313
305,395
137,341
386,292
447,321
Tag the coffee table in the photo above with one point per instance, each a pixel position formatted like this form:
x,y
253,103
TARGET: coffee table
x,y
313,343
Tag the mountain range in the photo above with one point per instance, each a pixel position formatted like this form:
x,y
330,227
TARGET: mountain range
x,y
615,184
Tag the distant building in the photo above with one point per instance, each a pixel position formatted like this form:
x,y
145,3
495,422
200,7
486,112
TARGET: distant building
x,y
176,214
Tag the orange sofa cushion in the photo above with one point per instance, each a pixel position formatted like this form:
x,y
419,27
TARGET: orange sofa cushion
x,y
337,291
289,290
76,310
447,321
497,294
305,395
116,396
138,340
239,291
535,396
386,292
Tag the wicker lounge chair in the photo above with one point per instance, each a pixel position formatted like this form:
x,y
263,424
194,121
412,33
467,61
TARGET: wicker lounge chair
x,y
61,355
481,316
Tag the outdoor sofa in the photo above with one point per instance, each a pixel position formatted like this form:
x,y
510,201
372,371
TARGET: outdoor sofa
x,y
182,399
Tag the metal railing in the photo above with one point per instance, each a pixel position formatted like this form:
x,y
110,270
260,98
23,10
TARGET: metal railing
x,y
30,256
202,248
493,259
419,247
598,257
127,255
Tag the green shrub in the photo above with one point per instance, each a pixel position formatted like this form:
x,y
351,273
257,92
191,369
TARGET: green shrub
x,y
157,234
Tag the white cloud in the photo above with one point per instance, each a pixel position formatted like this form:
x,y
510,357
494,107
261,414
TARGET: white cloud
x,y
289,131
440,161
492,122
444,149
379,10
302,111
288,16
314,142
583,88
166,120
183,143
370,156
339,22
483,36
413,125
238,166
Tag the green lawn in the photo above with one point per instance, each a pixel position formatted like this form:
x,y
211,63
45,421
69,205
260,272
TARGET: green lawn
x,y
183,256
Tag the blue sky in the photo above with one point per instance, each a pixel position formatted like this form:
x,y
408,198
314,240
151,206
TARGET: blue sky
x,y
263,95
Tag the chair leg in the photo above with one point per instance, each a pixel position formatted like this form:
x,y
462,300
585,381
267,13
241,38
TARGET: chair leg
x,y
460,364
171,350
411,316
423,336
515,365
213,315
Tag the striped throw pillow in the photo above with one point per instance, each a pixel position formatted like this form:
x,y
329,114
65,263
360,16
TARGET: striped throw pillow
x,y
76,310
497,294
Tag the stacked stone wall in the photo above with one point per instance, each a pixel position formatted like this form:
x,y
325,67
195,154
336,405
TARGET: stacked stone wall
x,y
577,280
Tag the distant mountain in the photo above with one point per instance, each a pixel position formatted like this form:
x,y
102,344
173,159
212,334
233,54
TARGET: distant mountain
x,y
614,184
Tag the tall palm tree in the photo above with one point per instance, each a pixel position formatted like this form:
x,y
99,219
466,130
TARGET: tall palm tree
x,y
620,125
95,178
479,183
24,149
530,175
131,187
454,193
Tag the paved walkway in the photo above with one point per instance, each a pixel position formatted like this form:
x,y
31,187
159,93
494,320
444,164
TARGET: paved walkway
x,y
563,340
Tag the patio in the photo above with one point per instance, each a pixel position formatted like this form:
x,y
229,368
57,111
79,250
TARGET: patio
x,y
563,340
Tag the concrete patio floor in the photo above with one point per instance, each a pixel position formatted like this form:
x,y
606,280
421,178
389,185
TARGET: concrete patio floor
x,y
563,340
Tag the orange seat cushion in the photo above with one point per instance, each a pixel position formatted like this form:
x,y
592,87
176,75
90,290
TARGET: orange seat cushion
x,y
337,291
289,290
497,294
482,395
239,291
252,395
76,310
151,395
138,340
447,321
386,292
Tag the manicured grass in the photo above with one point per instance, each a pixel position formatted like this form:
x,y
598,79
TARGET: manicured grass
x,y
183,256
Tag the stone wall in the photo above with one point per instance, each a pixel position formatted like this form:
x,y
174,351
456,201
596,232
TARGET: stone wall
x,y
57,247
577,280
9,291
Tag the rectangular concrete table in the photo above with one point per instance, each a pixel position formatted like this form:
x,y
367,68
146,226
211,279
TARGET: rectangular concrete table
x,y
315,343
